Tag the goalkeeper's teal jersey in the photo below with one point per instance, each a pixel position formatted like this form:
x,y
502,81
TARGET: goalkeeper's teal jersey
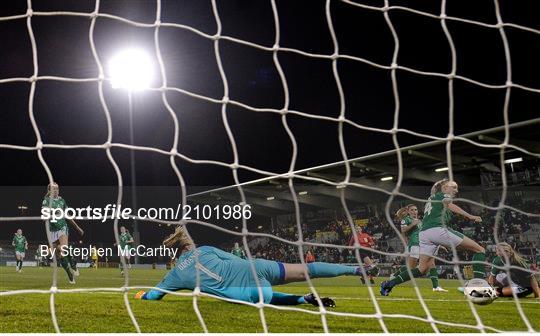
x,y
221,274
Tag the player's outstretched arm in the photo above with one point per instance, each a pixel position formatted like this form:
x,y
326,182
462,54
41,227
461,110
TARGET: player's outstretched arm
x,y
77,227
456,209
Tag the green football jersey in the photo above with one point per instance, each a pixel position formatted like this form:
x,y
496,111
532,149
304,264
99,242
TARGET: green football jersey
x,y
56,203
124,238
520,277
413,234
20,243
435,213
238,252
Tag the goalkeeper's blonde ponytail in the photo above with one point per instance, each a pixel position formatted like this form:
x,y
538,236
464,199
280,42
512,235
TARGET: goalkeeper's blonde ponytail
x,y
182,237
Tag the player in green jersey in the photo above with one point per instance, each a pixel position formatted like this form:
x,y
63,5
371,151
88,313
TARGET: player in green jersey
x,y
21,245
237,251
125,239
410,227
59,231
434,232
520,281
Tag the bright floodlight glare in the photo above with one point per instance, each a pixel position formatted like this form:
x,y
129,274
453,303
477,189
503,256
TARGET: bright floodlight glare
x,y
438,170
302,193
271,198
131,69
387,178
514,160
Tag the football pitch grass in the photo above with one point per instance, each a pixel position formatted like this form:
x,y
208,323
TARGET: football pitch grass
x,y
106,312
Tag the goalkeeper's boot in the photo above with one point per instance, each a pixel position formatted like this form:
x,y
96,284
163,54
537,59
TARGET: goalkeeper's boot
x,y
362,279
326,301
439,289
385,288
371,280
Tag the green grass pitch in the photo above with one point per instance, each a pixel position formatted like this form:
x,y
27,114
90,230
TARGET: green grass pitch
x,y
105,311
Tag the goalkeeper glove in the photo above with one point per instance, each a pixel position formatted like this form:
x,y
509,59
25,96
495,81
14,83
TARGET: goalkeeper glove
x,y
326,301
140,295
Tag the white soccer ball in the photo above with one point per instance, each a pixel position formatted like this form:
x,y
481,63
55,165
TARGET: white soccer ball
x,y
479,291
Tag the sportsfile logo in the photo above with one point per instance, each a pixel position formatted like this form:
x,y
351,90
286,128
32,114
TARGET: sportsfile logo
x,y
114,211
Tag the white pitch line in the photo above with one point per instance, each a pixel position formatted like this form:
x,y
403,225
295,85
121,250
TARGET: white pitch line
x,y
434,300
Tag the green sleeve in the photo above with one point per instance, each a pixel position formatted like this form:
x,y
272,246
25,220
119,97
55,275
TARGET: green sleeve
x,y
497,263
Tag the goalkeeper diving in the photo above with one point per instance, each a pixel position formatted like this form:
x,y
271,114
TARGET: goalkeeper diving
x,y
226,275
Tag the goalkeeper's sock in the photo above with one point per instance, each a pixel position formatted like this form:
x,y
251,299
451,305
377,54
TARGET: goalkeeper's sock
x,y
479,269
286,299
404,277
434,276
328,270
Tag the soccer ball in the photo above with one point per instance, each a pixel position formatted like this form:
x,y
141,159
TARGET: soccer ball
x,y
479,291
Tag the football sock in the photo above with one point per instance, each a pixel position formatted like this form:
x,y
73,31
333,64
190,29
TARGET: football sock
x,y
404,277
328,270
64,262
479,269
434,276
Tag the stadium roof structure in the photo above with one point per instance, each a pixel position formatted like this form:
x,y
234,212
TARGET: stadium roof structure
x,y
318,188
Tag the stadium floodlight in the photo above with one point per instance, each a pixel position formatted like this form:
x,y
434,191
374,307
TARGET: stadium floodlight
x,y
302,193
514,160
271,198
387,178
441,169
131,69
259,227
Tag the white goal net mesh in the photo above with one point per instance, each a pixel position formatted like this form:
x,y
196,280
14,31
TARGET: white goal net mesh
x,y
285,112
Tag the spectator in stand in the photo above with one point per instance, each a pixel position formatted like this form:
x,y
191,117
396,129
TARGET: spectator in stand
x,y
366,241
309,258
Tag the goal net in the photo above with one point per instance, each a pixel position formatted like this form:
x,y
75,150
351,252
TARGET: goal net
x,y
376,140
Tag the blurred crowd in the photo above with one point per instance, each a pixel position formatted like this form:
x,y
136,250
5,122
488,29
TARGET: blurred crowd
x,y
511,226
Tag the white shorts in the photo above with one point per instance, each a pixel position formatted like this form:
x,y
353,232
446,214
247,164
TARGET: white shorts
x,y
414,251
502,278
430,239
19,255
55,235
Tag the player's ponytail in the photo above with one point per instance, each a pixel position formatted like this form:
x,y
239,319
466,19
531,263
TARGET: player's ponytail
x,y
512,254
437,187
402,213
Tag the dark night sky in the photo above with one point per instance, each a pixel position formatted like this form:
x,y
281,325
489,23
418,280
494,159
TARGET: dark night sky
x,y
70,113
